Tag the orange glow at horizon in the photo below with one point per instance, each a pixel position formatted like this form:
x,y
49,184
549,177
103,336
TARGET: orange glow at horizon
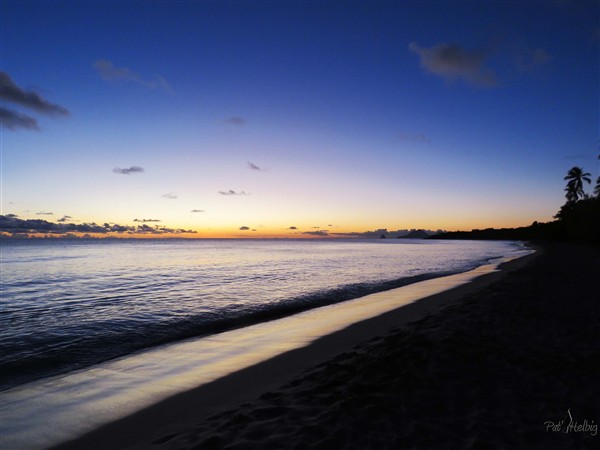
x,y
293,232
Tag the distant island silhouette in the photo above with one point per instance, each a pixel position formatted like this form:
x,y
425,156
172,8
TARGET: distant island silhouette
x,y
415,234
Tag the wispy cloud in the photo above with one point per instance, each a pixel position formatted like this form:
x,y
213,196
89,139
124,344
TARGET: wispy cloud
x,y
197,211
244,228
292,228
10,92
170,196
413,137
238,121
13,120
232,192
108,71
452,62
128,170
147,220
529,59
64,219
14,226
44,213
254,166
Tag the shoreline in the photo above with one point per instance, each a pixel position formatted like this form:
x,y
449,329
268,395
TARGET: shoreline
x,y
174,415
211,304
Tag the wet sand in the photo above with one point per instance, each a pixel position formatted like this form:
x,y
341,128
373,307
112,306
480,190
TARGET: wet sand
x,y
492,364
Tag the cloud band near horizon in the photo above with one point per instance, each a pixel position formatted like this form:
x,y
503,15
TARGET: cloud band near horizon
x,y
11,224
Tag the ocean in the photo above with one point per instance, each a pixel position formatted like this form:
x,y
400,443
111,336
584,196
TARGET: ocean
x,y
71,304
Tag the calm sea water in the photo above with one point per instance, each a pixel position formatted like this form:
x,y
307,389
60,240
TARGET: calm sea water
x,y
65,305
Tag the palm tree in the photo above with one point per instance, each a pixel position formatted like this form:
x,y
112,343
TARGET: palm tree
x,y
576,177
597,188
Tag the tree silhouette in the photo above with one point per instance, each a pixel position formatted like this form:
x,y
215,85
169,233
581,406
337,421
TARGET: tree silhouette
x,y
576,177
597,188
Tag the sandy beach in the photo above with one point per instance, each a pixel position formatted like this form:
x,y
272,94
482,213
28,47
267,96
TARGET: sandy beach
x,y
508,361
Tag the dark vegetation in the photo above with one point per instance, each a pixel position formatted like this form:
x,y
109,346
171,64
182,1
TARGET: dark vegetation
x,y
577,220
415,234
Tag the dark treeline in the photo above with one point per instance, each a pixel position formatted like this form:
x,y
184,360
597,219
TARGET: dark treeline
x,y
577,220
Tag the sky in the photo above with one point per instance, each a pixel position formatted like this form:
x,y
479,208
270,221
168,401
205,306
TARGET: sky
x,y
294,119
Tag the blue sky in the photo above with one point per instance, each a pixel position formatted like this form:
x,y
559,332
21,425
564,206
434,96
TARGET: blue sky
x,y
337,116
